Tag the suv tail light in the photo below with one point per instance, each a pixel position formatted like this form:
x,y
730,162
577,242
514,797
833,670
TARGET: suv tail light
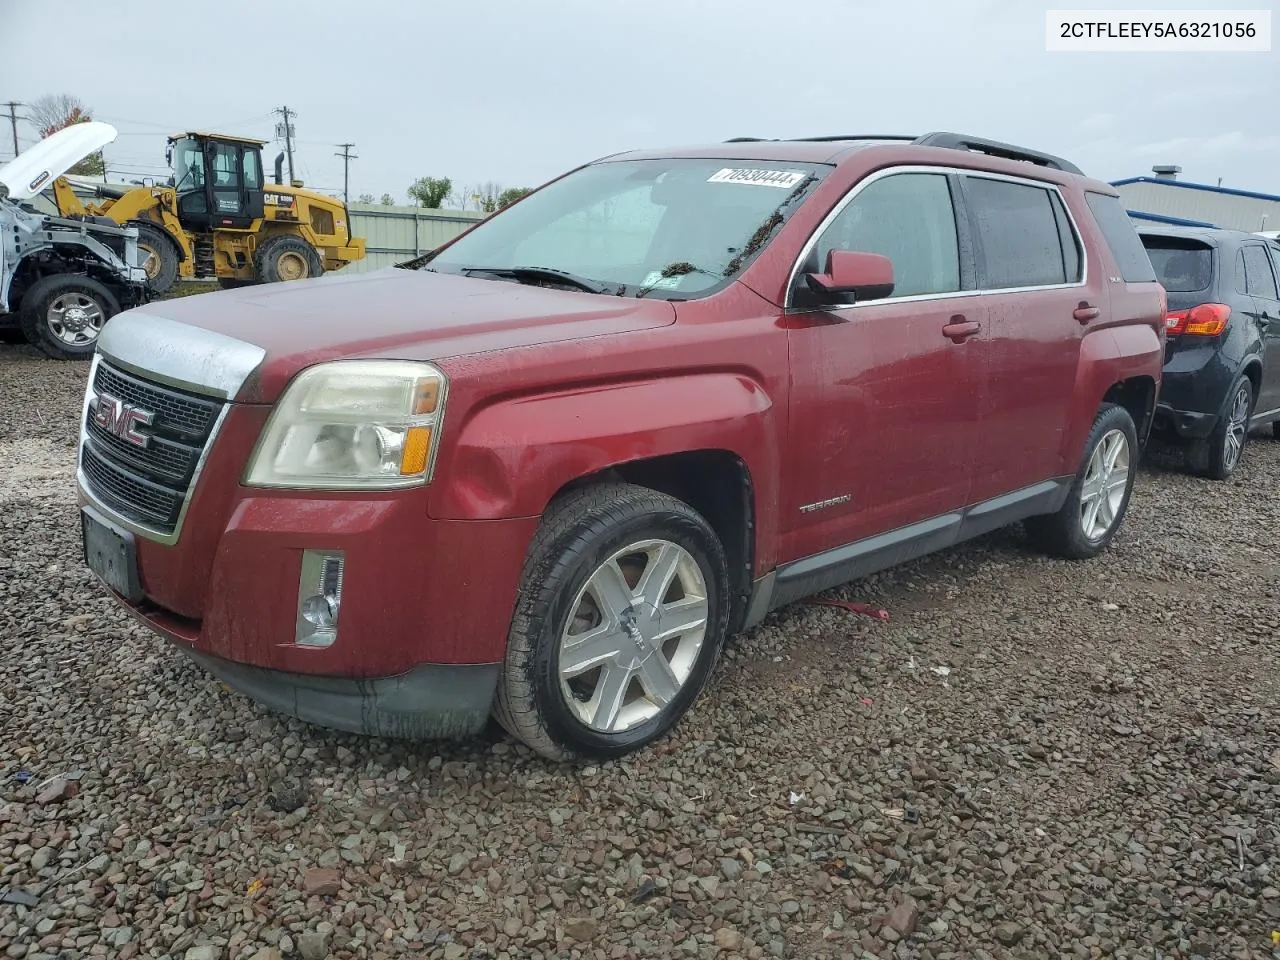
x,y
1206,320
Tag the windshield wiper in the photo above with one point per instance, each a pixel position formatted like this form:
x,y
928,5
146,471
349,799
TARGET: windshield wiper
x,y
541,273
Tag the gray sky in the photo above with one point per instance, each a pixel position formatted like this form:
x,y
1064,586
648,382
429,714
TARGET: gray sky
x,y
517,92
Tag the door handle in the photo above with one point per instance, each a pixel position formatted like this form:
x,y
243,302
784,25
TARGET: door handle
x,y
960,329
1084,312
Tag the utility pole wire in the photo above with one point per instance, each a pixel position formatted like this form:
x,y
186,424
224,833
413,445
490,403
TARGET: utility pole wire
x,y
288,138
347,156
13,106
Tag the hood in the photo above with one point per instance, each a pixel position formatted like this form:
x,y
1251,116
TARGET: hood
x,y
35,168
409,314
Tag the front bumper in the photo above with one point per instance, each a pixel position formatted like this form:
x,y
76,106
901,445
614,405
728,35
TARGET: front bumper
x,y
432,701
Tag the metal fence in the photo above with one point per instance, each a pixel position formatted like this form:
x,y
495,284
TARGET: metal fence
x,y
396,234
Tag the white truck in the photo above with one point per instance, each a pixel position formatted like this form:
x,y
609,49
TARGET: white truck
x,y
61,279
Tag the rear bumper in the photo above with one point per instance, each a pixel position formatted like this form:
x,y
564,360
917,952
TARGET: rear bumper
x,y
1186,424
431,701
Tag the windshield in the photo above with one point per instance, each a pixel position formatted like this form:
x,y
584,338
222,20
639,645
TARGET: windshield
x,y
671,228
188,165
1181,266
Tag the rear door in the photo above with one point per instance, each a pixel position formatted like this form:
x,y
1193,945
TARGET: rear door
x,y
1031,269
1260,280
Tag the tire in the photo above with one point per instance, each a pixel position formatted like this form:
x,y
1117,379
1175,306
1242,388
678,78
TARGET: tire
x,y
63,315
1064,533
582,537
287,258
1219,454
1275,429
159,256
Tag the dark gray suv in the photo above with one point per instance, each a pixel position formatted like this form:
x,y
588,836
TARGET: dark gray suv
x,y
1222,354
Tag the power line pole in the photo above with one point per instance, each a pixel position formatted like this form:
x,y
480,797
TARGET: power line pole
x,y
288,136
347,156
13,122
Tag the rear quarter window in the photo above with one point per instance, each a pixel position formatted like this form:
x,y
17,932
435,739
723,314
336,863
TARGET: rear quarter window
x,y
1181,265
1122,238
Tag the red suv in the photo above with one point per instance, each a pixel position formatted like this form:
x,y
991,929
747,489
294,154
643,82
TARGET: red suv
x,y
545,470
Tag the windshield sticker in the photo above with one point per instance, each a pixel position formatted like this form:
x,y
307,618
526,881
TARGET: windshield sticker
x,y
656,281
761,178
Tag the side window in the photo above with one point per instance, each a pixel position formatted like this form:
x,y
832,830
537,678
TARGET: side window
x,y
909,218
1020,235
252,175
1122,238
1261,281
1071,254
1242,274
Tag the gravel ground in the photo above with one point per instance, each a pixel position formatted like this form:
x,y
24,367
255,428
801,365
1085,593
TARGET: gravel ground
x,y
1098,774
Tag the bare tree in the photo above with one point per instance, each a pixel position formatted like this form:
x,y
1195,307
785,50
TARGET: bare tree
x,y
55,112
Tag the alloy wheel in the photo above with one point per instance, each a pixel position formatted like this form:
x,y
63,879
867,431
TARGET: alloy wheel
x,y
633,637
1103,489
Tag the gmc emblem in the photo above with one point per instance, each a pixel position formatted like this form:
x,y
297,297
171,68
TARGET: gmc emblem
x,y
117,417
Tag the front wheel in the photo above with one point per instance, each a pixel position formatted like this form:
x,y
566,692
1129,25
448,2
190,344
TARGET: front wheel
x,y
63,314
621,613
1099,496
159,256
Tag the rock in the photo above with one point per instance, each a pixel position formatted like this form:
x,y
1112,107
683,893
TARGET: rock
x,y
454,951
905,916
313,946
1008,933
730,868
58,791
267,953
709,884
729,940
582,929
320,882
204,951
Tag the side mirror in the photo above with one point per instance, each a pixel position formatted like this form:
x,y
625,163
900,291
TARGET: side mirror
x,y
852,273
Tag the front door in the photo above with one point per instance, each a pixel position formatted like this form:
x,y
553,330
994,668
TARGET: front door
x,y
1261,271
1029,261
884,414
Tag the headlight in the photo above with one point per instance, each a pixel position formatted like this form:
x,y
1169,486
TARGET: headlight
x,y
352,424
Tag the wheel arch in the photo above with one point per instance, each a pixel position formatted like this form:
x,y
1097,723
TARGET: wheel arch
x,y
178,247
693,436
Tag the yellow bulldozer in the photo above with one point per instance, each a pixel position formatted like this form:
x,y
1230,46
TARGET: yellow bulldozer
x,y
218,218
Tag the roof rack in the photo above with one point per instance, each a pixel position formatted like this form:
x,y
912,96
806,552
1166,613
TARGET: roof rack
x,y
959,141
951,141
856,136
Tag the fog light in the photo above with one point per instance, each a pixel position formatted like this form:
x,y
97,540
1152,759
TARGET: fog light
x,y
319,598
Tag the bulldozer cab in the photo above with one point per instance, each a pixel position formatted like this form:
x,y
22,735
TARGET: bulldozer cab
x,y
218,180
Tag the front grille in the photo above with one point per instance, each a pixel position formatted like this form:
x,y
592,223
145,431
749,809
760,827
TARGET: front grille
x,y
146,484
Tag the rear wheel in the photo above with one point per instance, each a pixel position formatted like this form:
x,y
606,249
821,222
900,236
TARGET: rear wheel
x,y
63,315
1218,456
159,256
1099,497
622,610
287,258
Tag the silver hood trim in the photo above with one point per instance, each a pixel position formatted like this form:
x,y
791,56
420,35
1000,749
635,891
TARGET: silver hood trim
x,y
179,355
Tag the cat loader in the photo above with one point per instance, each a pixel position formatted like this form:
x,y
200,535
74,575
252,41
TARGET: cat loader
x,y
218,218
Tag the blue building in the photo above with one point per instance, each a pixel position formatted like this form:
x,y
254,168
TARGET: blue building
x,y
1164,198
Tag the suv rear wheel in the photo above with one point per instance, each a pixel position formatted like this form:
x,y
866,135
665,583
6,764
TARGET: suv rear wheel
x,y
64,313
1099,497
1218,456
622,610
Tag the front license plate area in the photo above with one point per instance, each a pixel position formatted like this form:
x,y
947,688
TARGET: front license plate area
x,y
111,553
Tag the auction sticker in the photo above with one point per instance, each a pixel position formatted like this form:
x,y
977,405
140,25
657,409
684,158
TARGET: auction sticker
x,y
760,178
